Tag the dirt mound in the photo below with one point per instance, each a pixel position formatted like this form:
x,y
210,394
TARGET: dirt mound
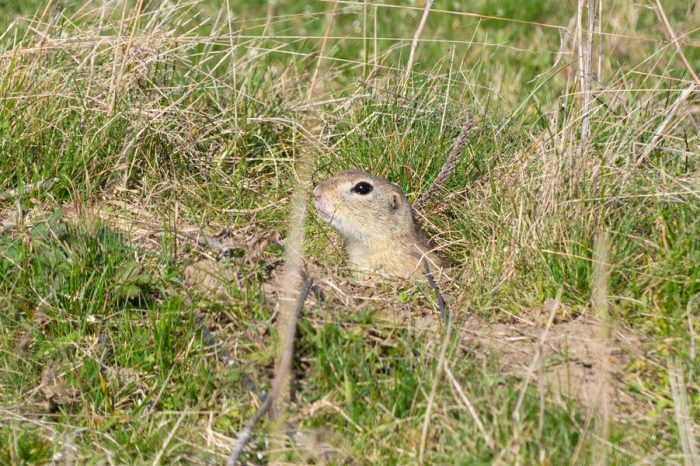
x,y
579,358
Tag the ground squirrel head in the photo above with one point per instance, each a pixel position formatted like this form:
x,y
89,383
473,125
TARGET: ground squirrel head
x,y
363,207
376,222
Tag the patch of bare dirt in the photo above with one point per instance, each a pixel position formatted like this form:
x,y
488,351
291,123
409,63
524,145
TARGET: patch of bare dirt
x,y
574,356
577,359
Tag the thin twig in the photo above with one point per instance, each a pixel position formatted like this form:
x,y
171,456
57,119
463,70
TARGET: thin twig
x,y
289,281
515,441
448,167
691,330
600,301
44,184
447,92
472,412
682,413
599,68
438,296
433,389
283,370
660,131
535,360
170,436
329,24
587,77
247,433
204,241
674,39
416,39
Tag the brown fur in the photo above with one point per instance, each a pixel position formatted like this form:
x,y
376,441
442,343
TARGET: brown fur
x,y
379,229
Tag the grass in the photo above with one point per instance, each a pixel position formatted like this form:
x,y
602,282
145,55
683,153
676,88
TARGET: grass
x,y
157,116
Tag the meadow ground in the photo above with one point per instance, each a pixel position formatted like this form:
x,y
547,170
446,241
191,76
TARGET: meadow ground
x,y
130,130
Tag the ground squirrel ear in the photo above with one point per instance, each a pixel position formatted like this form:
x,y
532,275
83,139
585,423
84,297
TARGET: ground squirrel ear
x,y
395,201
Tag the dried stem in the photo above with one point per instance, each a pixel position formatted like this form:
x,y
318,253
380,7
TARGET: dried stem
x,y
329,24
470,407
536,358
168,439
674,39
290,282
416,38
277,384
682,414
587,75
661,129
438,295
691,330
433,389
448,167
601,405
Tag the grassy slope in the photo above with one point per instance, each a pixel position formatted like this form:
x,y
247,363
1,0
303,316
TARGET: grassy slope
x,y
102,353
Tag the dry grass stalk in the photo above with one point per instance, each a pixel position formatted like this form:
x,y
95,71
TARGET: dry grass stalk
x,y
470,407
168,439
599,68
447,92
416,39
672,36
691,329
247,433
433,389
681,411
365,42
448,167
438,295
660,131
587,75
536,358
324,41
290,283
601,405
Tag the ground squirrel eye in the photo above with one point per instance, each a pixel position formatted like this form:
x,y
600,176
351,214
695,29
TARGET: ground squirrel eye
x,y
362,188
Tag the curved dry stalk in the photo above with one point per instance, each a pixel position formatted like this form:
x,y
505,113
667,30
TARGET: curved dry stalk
x,y
672,36
329,24
416,38
536,359
660,131
448,167
470,407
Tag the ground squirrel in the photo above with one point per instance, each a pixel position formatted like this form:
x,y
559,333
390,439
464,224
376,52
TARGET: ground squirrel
x,y
377,223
